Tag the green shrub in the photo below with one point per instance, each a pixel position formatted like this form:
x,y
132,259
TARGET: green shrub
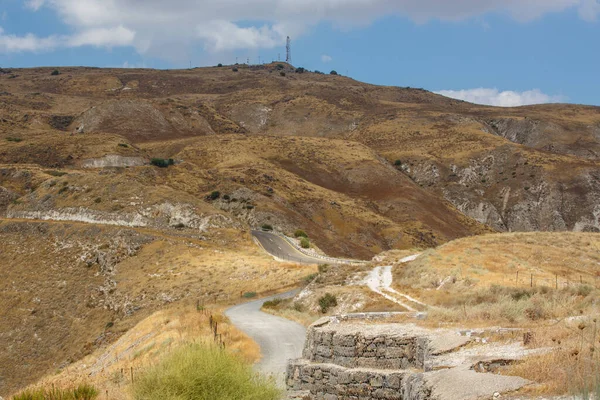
x,y
272,303
300,233
334,72
55,72
214,195
323,268
161,162
398,163
202,372
226,197
97,200
309,278
249,207
267,227
282,73
219,65
81,392
14,139
318,72
280,66
300,70
326,302
123,145
234,69
249,295
56,173
305,243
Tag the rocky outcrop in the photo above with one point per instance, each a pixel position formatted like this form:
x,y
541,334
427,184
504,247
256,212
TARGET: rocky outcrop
x,y
511,193
113,160
161,216
348,359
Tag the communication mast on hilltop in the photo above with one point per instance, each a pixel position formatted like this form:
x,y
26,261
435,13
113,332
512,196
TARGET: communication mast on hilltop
x,y
288,49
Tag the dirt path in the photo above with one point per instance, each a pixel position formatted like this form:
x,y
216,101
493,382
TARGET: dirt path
x,y
279,339
380,281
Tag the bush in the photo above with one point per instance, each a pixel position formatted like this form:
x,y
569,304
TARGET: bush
x,y
305,243
272,303
97,200
161,162
234,69
334,72
300,233
300,70
202,372
282,73
81,392
219,65
226,197
318,72
249,295
326,302
14,139
398,163
280,66
55,72
309,278
214,195
323,268
267,227
123,145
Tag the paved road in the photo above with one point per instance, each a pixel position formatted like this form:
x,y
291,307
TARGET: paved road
x,y
279,339
280,248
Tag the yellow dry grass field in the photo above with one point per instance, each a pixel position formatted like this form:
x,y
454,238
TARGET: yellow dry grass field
x,y
72,288
113,369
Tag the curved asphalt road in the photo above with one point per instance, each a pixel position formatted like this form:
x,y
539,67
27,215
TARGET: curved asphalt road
x,y
280,248
279,339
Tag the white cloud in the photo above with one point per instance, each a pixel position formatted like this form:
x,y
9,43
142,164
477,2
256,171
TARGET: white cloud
x,y
589,10
100,37
494,97
224,35
326,58
169,29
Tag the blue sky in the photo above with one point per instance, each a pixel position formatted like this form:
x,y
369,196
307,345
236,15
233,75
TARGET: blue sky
x,y
501,52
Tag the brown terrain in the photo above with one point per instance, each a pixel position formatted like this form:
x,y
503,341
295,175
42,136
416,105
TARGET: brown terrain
x,y
95,238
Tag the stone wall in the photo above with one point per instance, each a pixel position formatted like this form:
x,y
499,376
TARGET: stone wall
x,y
331,382
365,350
361,360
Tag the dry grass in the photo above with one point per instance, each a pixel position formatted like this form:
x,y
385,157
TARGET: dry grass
x,y
572,367
112,369
73,288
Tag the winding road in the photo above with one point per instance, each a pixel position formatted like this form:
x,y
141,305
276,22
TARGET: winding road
x,y
279,339
281,249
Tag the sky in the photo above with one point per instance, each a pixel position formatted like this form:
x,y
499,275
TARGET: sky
x,y
498,52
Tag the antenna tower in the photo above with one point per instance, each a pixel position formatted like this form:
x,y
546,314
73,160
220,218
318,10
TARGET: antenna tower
x,y
288,50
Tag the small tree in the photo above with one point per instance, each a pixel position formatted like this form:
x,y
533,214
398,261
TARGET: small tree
x,y
55,72
300,233
159,162
305,243
219,65
326,302
334,72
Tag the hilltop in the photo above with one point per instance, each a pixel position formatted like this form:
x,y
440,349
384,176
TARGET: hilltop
x,y
123,191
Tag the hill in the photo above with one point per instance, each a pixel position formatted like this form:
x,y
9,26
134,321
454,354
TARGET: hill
x,y
123,191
